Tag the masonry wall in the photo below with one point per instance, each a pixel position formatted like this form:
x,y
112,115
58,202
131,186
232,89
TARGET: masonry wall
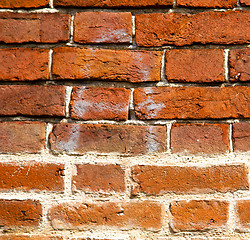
x,y
124,119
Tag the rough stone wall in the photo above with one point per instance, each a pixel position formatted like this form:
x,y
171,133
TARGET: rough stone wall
x,y
124,119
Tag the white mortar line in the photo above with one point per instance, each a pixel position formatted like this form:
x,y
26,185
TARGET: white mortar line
x,y
231,217
231,148
238,3
68,171
174,3
133,25
169,126
51,3
128,182
163,64
226,65
72,19
49,128
67,101
131,100
50,64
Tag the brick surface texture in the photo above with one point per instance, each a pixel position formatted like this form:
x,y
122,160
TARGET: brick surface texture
x,y
103,27
16,64
124,119
107,64
125,215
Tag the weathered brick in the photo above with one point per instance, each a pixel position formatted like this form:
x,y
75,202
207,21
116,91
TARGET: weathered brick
x,y
242,211
20,213
94,103
31,176
207,3
192,102
245,2
95,178
25,237
103,27
106,64
200,138
239,62
31,27
22,137
157,180
125,215
113,3
180,29
24,64
241,136
198,215
103,138
23,3
32,100
195,65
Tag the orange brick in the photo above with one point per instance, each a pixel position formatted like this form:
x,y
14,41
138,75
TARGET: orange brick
x,y
24,3
22,137
198,215
239,62
126,215
103,27
207,3
192,102
195,65
106,64
27,100
16,64
20,213
32,27
113,3
157,180
96,103
103,138
241,136
200,138
94,178
31,176
242,211
158,29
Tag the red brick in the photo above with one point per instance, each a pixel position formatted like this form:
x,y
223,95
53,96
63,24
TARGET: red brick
x,y
31,176
245,2
103,27
96,178
157,180
32,100
125,215
20,213
25,237
195,65
198,215
113,3
103,138
200,138
192,102
239,61
241,136
24,64
207,3
158,29
23,3
94,103
22,137
31,27
107,64
242,211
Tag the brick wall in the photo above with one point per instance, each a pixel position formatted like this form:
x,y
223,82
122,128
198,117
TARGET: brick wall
x,y
124,119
